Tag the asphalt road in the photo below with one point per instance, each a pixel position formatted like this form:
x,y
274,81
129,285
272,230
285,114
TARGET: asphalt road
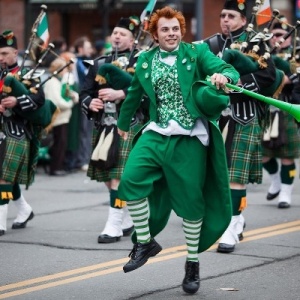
x,y
57,256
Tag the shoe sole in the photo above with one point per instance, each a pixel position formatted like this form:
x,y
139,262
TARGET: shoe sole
x,y
225,250
283,205
109,240
152,253
190,290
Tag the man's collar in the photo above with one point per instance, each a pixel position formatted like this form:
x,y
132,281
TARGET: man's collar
x,y
235,34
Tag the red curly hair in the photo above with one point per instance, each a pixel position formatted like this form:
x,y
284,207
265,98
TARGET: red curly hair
x,y
168,13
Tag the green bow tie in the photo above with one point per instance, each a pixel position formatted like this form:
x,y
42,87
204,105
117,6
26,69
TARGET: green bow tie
x,y
166,54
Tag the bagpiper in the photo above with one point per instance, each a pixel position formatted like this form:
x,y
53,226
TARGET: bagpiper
x,y
24,115
101,98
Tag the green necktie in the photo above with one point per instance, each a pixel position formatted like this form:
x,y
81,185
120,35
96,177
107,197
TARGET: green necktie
x,y
166,54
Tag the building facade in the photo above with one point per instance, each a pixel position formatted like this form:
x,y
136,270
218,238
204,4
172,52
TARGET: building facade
x,y
96,18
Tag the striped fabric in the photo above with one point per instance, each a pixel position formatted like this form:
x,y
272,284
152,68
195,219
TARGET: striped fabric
x,y
139,212
192,235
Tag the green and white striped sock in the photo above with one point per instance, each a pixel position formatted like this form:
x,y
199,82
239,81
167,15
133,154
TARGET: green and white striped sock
x,y
192,235
139,212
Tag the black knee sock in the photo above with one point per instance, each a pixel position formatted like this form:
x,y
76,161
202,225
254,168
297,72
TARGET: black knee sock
x,y
16,191
288,173
115,202
271,166
239,202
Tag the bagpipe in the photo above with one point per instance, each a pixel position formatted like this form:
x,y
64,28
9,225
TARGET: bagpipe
x,y
250,63
254,53
105,153
28,82
116,75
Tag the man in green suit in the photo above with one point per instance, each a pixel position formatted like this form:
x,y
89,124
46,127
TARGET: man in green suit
x,y
178,162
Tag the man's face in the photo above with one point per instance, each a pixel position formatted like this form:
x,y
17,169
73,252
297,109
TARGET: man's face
x,y
86,50
168,33
277,35
8,56
121,39
231,20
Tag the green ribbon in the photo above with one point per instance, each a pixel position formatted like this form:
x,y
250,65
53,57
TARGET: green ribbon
x,y
166,54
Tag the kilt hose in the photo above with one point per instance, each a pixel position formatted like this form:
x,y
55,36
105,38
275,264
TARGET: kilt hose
x,y
246,154
124,149
291,149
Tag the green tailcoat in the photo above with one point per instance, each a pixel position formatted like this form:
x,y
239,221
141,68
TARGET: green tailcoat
x,y
194,63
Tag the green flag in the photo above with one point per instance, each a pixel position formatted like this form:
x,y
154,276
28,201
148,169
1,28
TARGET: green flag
x,y
148,10
42,30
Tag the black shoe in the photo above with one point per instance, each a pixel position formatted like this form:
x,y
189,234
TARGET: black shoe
x,y
23,224
140,254
283,205
240,235
128,231
191,281
58,173
105,238
2,232
271,196
225,248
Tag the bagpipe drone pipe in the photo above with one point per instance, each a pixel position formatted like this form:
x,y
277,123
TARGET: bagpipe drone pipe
x,y
106,148
26,84
42,116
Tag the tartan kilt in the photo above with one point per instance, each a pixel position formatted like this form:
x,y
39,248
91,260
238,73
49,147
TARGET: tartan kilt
x,y
16,160
292,147
124,149
246,155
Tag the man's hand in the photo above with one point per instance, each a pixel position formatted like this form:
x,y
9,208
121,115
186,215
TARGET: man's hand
x,y
9,102
2,108
218,80
96,104
123,134
109,94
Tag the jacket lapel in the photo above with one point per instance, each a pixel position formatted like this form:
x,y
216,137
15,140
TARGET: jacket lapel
x,y
186,66
144,73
